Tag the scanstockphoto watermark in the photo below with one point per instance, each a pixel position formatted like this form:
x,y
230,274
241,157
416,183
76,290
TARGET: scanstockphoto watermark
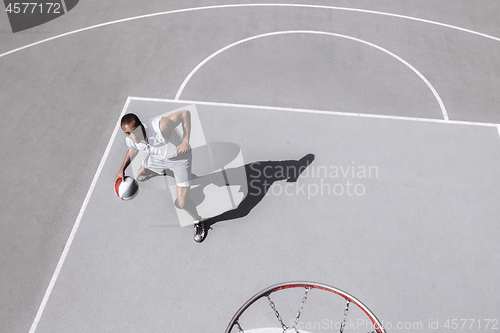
x,y
334,180
357,325
464,324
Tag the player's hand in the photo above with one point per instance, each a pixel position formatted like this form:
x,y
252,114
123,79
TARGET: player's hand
x,y
118,176
183,148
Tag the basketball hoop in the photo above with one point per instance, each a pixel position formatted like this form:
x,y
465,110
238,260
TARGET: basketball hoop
x,y
266,293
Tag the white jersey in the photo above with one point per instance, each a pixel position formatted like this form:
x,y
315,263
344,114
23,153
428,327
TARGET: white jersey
x,y
156,146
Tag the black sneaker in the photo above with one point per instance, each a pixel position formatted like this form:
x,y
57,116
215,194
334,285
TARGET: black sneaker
x,y
199,231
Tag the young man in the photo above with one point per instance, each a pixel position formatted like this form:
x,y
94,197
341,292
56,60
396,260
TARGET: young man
x,y
167,150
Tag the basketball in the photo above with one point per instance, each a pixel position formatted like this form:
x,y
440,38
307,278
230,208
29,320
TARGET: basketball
x,y
127,188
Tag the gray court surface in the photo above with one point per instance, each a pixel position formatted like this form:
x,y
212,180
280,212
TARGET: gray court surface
x,y
405,236
406,90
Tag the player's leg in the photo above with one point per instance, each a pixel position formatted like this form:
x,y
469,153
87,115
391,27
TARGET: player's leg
x,y
149,169
186,203
181,168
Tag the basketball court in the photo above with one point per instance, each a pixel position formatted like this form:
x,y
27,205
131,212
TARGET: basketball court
x,y
379,235
395,112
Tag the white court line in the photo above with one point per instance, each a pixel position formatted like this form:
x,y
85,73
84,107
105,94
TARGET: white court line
x,y
77,224
250,5
429,85
312,111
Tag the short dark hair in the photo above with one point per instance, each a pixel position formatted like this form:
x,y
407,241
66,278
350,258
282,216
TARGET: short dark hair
x,y
130,117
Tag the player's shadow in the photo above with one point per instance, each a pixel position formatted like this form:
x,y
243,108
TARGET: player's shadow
x,y
258,178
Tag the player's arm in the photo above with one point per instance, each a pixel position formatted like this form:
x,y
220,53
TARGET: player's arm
x,y
168,123
131,153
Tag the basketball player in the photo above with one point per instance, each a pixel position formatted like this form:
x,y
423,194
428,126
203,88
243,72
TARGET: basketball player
x,y
167,150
